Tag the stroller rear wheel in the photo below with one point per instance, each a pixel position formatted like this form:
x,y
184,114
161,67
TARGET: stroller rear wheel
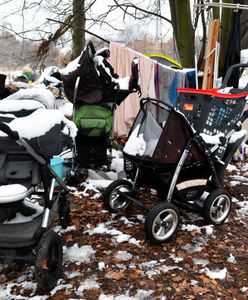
x,y
113,201
216,207
161,222
49,255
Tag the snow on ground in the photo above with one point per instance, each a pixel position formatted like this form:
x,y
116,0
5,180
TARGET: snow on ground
x,y
78,254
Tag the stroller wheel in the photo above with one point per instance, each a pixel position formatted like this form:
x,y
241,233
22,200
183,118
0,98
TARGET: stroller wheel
x,y
49,256
216,207
161,222
113,201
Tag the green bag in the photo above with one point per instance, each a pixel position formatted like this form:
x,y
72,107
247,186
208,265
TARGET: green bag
x,y
94,120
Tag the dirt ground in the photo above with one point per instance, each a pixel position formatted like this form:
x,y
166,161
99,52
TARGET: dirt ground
x,y
189,267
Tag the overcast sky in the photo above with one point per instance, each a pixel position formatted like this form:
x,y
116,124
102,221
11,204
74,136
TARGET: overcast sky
x,y
11,14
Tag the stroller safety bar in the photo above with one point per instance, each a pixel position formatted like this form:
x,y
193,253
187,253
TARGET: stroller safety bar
x,y
6,129
229,73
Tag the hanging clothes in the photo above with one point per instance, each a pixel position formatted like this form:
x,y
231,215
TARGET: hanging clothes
x,y
233,47
121,58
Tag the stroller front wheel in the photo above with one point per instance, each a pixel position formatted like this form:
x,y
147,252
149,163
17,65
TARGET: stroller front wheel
x,y
113,200
48,264
216,207
161,222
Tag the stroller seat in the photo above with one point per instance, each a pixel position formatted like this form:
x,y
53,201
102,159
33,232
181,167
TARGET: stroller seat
x,y
13,192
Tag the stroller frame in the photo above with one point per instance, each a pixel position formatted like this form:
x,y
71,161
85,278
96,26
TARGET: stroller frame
x,y
162,220
40,245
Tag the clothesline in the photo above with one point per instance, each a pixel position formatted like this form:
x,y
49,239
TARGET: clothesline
x,y
235,6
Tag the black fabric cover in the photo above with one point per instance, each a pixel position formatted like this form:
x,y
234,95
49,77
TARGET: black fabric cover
x,y
233,47
90,87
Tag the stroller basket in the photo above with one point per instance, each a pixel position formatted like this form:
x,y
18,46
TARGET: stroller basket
x,y
211,112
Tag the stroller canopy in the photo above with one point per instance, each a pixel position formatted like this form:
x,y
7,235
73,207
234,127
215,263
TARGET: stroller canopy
x,y
159,134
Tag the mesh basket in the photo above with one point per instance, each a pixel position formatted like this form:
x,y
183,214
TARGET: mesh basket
x,y
211,112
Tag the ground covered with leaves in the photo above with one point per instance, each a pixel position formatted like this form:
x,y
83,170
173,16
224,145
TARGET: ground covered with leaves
x,y
106,256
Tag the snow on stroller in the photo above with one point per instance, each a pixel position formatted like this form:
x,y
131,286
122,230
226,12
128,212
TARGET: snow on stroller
x,y
96,90
26,145
165,150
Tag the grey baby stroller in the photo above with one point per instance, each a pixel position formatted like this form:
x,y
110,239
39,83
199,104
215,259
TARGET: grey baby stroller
x,y
166,151
96,91
26,146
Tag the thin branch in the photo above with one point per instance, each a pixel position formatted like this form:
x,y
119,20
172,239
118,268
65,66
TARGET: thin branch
x,y
85,30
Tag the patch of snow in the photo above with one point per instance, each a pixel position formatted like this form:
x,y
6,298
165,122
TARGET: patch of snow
x,y
194,282
61,230
71,275
191,227
176,259
123,255
135,144
72,66
12,106
29,128
199,261
60,287
41,95
244,289
101,266
78,254
94,184
215,274
231,259
192,248
211,139
88,284
237,135
231,167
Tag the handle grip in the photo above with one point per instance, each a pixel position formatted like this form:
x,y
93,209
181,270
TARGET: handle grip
x,y
244,116
6,129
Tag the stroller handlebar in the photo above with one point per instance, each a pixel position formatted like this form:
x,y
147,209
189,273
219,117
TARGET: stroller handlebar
x,y
229,73
6,129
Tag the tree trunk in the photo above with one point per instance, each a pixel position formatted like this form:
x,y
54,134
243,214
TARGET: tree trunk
x,y
78,23
183,31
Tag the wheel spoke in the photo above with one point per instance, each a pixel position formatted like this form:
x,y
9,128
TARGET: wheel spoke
x,y
158,221
161,231
168,218
220,201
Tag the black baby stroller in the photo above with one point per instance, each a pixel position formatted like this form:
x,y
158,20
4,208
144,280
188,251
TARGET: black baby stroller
x,y
166,151
96,90
26,146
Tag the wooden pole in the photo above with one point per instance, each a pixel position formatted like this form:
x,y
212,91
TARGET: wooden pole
x,y
213,34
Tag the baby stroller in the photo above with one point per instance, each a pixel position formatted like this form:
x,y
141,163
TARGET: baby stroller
x,y
95,91
165,150
26,145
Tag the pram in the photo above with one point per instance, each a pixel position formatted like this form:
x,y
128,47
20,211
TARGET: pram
x,y
26,145
95,91
185,164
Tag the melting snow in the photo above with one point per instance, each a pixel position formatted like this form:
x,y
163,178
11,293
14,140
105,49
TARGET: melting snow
x,y
215,274
88,284
78,254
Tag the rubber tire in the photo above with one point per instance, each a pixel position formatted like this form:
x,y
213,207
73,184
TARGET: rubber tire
x,y
47,275
109,190
208,205
152,215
